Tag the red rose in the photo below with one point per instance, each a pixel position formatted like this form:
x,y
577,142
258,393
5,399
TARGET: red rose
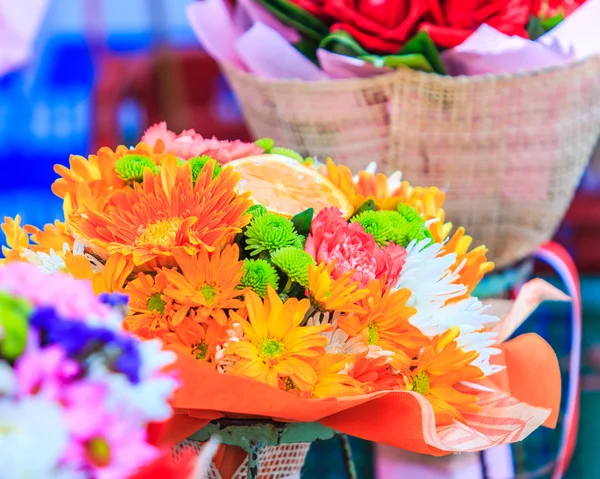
x,y
452,21
380,26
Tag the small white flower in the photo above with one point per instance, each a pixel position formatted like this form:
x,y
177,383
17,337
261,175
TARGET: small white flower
x,y
33,438
47,263
338,341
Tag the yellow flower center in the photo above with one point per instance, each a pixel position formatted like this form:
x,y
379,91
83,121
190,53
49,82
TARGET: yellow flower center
x,y
98,451
289,384
199,351
209,293
162,233
373,334
420,383
270,348
156,303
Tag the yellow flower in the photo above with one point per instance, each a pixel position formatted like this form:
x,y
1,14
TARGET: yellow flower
x,y
441,367
384,323
332,381
110,279
275,344
207,284
334,295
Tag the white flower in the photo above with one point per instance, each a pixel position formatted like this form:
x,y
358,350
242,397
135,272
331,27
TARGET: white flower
x,y
7,380
47,263
33,438
339,342
483,343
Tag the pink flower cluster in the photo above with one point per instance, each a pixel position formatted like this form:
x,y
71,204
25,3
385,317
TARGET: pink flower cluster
x,y
333,239
189,144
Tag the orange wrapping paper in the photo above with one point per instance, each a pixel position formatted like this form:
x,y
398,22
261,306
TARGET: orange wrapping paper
x,y
526,395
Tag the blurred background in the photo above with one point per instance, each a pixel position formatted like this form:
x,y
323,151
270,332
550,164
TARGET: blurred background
x,y
101,71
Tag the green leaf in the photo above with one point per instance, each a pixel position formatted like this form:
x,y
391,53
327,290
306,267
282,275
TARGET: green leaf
x,y
342,43
368,205
302,221
551,22
422,44
14,314
413,61
535,28
297,18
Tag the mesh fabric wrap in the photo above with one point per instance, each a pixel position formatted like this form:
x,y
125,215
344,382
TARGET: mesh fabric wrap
x,y
275,462
510,149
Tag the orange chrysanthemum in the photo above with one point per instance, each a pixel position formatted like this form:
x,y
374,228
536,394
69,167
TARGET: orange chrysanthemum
x,y
166,213
111,278
374,374
475,261
384,323
334,295
441,367
150,309
89,182
209,285
199,340
275,345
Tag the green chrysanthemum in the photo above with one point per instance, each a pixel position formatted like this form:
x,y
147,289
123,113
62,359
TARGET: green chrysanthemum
x,y
269,232
256,211
294,262
258,275
131,167
197,163
265,143
278,150
377,224
406,227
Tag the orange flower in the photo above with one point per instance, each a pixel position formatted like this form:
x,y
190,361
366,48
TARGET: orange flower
x,y
275,345
208,284
111,278
166,213
151,310
199,340
475,261
384,323
441,366
16,238
334,295
88,182
332,380
374,374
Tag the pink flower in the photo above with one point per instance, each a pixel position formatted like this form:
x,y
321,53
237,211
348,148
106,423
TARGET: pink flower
x,y
44,371
108,444
71,298
188,144
332,239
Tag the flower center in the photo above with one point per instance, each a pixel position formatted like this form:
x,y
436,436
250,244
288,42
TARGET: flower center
x,y
270,348
289,384
156,303
162,233
209,293
98,451
420,383
373,334
199,351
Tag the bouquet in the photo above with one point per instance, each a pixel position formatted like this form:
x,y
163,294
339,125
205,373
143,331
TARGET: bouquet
x,y
291,289
79,397
320,39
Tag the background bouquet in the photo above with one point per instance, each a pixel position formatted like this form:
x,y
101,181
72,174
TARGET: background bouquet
x,y
322,296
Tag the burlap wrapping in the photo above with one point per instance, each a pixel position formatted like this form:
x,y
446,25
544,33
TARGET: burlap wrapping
x,y
275,462
510,149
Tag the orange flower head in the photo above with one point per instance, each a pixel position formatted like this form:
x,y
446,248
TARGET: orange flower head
x,y
208,284
110,279
334,295
384,323
374,373
332,379
198,340
473,264
168,212
275,344
441,367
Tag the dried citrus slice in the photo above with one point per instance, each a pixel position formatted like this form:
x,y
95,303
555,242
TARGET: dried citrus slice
x,y
284,186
